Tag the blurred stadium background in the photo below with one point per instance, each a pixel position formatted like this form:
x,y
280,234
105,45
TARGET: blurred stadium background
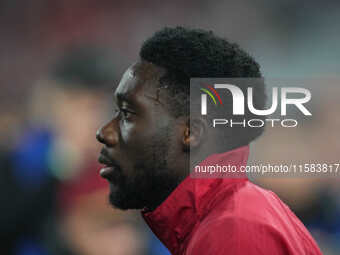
x,y
59,63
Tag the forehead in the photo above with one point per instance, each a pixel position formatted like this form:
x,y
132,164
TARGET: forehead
x,y
141,76
128,83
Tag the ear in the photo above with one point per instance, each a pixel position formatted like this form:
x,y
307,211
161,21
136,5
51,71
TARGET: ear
x,y
194,133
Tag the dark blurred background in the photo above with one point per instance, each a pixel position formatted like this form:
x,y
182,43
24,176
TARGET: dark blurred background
x,y
59,63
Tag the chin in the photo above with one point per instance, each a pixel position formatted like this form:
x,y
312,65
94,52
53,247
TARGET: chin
x,y
121,200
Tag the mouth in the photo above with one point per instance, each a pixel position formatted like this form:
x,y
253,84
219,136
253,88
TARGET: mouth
x,y
110,166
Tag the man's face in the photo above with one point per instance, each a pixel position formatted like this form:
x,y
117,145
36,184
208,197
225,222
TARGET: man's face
x,y
142,143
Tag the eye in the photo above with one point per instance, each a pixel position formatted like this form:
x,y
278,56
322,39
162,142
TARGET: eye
x,y
122,112
125,113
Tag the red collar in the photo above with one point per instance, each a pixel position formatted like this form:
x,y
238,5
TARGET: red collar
x,y
193,198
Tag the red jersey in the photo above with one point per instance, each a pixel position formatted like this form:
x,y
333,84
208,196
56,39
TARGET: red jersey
x,y
218,216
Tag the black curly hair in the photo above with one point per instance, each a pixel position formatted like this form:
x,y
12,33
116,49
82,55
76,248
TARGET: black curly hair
x,y
185,53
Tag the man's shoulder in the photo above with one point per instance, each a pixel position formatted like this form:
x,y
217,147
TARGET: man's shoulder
x,y
237,235
248,206
254,206
243,235
248,202
252,218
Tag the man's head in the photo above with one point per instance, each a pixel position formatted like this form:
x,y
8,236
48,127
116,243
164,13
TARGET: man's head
x,y
147,142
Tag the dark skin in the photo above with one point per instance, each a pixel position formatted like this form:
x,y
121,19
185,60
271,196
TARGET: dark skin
x,y
146,149
138,144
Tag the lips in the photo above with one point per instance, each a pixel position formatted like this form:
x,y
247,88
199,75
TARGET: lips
x,y
110,168
104,160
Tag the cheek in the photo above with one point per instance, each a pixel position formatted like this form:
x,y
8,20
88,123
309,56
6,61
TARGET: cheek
x,y
146,133
135,133
127,131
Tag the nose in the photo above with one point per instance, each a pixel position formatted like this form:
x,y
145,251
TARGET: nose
x,y
107,134
99,135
